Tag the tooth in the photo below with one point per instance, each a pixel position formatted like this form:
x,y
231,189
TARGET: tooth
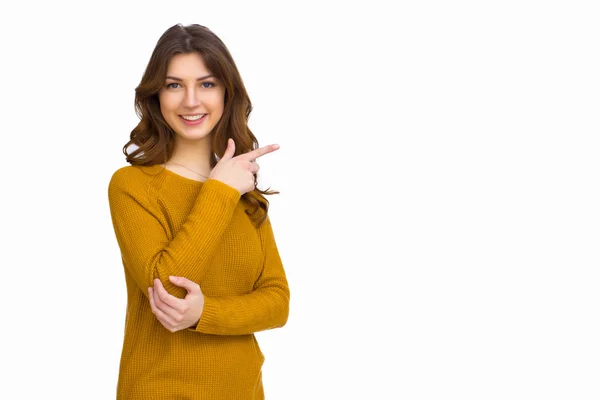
x,y
193,118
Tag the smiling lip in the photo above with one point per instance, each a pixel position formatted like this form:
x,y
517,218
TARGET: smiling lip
x,y
193,123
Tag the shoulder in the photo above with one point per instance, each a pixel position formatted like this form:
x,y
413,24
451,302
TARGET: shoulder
x,y
130,179
133,188
124,176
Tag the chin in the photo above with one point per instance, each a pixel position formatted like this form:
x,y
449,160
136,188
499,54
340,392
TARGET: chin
x,y
198,136
191,132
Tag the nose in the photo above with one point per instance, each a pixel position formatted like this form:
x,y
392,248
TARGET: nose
x,y
192,98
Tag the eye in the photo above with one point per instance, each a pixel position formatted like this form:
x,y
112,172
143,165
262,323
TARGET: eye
x,y
171,87
210,83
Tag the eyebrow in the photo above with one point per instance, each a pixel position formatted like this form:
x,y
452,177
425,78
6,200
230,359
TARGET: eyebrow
x,y
179,79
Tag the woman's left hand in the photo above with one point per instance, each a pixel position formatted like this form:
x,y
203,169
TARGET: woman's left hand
x,y
175,313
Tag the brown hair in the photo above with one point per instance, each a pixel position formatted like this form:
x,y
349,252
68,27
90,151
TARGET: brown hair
x,y
154,137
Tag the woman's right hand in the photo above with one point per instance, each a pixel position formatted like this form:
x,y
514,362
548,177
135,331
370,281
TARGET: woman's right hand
x,y
238,172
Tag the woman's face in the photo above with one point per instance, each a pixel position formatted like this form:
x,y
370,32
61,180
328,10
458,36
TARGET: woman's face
x,y
191,101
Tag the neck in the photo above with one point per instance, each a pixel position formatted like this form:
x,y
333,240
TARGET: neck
x,y
193,154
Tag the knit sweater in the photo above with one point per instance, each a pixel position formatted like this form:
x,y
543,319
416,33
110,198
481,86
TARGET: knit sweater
x,y
166,224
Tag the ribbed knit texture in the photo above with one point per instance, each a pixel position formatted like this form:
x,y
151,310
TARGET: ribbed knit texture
x,y
166,224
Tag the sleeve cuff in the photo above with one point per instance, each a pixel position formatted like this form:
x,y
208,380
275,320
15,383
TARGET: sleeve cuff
x,y
209,315
218,190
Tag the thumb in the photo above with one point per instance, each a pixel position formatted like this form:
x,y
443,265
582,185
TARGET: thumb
x,y
185,283
229,151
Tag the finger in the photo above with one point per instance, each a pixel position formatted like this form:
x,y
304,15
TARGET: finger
x,y
170,315
163,317
250,166
172,304
254,167
254,154
181,281
155,310
160,316
229,151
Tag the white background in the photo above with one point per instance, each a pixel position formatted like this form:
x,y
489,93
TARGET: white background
x,y
439,210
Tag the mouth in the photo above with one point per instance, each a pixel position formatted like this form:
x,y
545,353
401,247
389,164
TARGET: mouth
x,y
194,119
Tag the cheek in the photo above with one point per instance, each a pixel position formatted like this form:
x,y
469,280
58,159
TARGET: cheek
x,y
167,104
217,103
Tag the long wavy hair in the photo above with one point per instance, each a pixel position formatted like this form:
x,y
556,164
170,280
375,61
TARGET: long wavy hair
x,y
154,137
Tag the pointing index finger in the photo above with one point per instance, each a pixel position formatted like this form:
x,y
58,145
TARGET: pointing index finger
x,y
261,151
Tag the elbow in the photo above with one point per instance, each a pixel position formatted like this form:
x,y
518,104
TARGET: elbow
x,y
279,310
285,310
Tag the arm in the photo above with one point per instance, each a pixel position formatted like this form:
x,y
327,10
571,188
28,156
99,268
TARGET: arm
x,y
266,307
145,248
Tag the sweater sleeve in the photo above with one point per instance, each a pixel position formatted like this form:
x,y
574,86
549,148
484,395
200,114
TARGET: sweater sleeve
x,y
145,248
266,307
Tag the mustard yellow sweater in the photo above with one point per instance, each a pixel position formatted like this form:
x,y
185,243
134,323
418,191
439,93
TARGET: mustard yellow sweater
x,y
166,224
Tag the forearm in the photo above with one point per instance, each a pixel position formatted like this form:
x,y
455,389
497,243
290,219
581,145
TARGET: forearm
x,y
260,310
190,252
142,234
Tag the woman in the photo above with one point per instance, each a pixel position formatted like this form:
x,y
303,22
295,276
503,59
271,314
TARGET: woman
x,y
201,264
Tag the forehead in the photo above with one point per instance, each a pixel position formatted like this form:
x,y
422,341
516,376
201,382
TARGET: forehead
x,y
190,65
